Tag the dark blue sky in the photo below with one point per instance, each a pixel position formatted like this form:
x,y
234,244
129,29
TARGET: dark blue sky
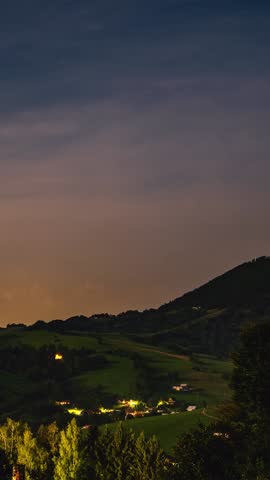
x,y
68,51
134,150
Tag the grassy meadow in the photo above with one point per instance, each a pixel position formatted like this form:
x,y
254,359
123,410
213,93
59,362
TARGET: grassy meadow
x,y
167,428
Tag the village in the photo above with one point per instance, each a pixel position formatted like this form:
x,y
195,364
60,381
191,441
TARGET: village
x,y
126,409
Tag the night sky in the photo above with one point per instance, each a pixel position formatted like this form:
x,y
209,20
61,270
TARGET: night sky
x,y
134,161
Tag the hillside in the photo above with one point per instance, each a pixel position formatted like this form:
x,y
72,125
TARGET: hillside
x,y
247,285
207,320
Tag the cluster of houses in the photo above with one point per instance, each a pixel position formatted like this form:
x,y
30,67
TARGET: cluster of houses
x,y
130,408
137,409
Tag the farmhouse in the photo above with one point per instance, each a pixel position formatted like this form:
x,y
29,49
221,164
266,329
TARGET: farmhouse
x,y
183,387
58,356
221,434
191,408
62,403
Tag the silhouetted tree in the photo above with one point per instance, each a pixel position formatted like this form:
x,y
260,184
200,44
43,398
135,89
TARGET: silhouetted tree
x,y
202,455
70,463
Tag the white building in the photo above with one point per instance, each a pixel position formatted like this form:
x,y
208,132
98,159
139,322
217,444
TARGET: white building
x,y
191,408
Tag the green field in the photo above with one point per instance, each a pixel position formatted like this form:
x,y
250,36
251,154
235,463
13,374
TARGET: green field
x,y
118,378
166,428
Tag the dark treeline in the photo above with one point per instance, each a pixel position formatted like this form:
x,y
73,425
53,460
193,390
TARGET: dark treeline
x,y
236,446
40,363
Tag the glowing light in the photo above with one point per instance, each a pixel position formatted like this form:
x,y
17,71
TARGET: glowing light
x,y
133,403
129,403
162,402
123,403
75,411
58,356
105,410
221,434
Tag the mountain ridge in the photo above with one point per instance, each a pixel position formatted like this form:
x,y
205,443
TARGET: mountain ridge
x,y
260,267
207,319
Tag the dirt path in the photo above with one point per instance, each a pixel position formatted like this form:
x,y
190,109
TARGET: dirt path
x,y
153,350
209,416
166,354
